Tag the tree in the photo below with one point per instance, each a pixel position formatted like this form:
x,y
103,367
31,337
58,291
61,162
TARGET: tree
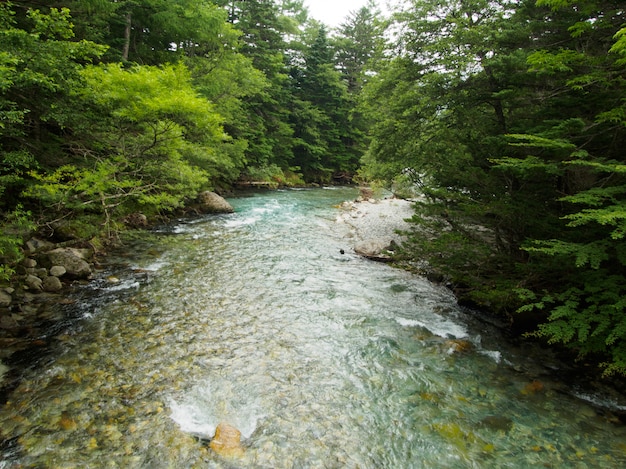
x,y
153,144
359,43
321,113
509,118
39,70
586,252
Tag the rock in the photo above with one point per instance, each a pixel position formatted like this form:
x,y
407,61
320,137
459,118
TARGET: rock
x,y
29,263
366,193
5,299
33,282
35,244
497,423
57,271
7,322
375,249
227,441
73,260
533,387
458,346
3,371
52,284
42,272
136,220
210,202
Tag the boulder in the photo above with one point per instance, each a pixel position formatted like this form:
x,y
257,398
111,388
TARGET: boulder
x,y
57,271
227,441
33,282
5,299
210,202
73,260
36,244
52,284
136,220
376,249
29,263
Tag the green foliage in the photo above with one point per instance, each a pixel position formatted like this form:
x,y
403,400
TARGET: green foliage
x,y
15,226
274,175
152,146
508,117
590,319
323,136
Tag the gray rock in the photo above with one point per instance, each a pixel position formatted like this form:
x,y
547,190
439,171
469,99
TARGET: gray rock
x,y
210,202
29,263
35,244
41,272
375,249
33,282
72,260
7,322
57,271
5,299
52,284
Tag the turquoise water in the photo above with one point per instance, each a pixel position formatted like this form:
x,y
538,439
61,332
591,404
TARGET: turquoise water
x,y
320,359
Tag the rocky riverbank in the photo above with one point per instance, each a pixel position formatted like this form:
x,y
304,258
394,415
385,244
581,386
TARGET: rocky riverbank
x,y
33,303
376,225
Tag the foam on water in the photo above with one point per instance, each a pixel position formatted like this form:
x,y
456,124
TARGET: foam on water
x,y
205,405
436,325
124,285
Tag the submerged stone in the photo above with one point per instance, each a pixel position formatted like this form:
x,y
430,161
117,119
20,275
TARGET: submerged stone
x,y
458,346
497,423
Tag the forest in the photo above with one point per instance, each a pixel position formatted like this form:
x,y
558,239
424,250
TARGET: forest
x,y
506,119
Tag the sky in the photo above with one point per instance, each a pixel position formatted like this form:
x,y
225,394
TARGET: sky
x,y
332,12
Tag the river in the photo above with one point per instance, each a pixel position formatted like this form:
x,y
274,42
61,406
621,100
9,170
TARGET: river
x,y
320,359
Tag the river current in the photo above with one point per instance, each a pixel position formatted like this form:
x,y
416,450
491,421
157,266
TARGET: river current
x,y
320,359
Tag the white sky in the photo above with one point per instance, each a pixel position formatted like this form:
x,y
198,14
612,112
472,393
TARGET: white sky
x,y
333,12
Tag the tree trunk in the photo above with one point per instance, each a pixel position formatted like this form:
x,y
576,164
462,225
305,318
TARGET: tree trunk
x,y
127,29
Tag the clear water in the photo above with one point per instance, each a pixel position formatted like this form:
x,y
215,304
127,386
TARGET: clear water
x,y
322,360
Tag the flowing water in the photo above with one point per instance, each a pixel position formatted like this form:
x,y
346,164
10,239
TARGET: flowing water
x,y
320,359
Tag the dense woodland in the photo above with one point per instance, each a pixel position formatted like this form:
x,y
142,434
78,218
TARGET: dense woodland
x,y
507,117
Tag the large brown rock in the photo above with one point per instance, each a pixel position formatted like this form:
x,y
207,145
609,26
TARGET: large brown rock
x,y
210,202
227,441
136,220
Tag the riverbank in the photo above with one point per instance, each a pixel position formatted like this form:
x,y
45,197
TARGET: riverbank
x,y
386,219
377,218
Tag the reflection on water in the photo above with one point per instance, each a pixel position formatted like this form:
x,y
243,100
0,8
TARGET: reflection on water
x,y
321,360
